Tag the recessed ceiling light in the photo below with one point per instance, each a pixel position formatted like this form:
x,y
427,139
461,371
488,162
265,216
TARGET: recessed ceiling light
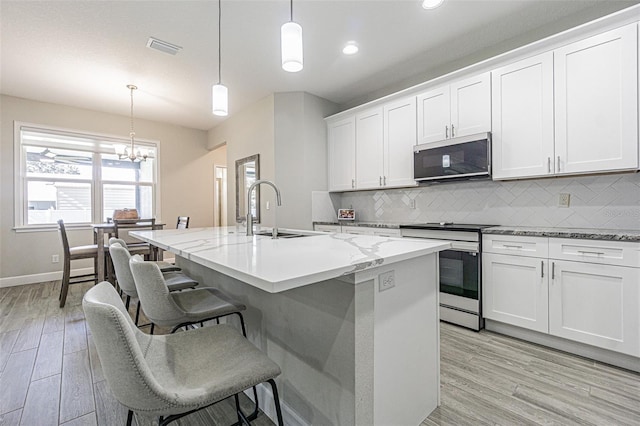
x,y
351,48
431,4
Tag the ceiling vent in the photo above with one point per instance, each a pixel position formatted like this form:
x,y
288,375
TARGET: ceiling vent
x,y
163,46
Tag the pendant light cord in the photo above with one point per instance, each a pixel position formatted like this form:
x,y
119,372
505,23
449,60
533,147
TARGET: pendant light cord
x,y
219,41
291,11
131,133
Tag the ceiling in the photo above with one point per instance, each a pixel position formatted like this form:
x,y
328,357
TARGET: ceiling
x,y
84,53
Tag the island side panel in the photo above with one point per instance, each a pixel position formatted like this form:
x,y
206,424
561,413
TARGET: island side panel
x,y
406,342
364,355
309,332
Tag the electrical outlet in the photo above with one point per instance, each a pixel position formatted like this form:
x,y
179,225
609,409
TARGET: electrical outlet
x,y
412,204
563,200
55,258
386,280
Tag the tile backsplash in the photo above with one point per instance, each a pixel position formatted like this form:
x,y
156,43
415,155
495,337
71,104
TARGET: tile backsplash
x,y
606,201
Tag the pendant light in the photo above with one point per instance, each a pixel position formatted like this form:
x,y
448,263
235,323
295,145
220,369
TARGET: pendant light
x,y
124,151
219,92
291,39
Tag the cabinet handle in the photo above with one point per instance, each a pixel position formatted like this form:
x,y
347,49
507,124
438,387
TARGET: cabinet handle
x,y
353,183
548,164
512,246
553,270
542,269
452,131
558,163
384,180
380,178
597,253
446,132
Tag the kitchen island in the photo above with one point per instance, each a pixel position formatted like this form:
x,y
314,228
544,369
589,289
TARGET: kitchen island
x,y
352,320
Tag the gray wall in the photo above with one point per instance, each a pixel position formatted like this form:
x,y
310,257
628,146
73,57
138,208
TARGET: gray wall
x,y
185,168
601,201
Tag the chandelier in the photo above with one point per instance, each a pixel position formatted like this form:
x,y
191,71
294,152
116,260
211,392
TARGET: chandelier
x,y
131,153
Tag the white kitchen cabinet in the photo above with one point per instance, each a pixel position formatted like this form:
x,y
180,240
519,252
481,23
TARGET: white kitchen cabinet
x,y
371,230
342,154
570,111
369,149
457,109
399,140
329,229
587,291
596,304
522,118
515,290
596,103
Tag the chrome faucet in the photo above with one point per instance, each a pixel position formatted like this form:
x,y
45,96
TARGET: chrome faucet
x,y
249,216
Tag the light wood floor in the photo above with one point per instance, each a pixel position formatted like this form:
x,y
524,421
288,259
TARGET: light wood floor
x,y
50,374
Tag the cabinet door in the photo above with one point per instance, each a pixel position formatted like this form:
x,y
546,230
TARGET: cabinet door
x,y
342,154
515,291
369,149
597,103
357,230
522,104
434,117
471,106
596,304
399,139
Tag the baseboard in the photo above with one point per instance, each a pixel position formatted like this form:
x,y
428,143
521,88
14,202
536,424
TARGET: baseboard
x,y
606,356
265,397
39,278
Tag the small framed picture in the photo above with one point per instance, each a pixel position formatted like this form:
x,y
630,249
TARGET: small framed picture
x,y
346,214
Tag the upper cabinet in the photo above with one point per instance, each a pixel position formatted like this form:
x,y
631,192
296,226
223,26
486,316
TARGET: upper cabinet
x,y
573,110
457,109
596,93
373,148
342,154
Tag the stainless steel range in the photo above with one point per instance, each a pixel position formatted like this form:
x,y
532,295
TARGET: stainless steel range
x,y
460,270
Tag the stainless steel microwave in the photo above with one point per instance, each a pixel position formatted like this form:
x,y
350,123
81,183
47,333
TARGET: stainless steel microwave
x,y
464,157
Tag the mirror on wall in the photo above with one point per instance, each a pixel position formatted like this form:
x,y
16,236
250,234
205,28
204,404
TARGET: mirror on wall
x,y
247,172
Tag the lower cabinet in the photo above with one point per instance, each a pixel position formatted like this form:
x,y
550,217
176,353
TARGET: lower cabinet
x,y
596,304
585,291
516,291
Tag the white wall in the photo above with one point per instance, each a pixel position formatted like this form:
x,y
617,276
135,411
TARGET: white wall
x,y
185,169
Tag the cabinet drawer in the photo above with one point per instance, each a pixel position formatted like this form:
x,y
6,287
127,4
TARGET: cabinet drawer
x,y
358,230
515,245
617,253
387,232
327,228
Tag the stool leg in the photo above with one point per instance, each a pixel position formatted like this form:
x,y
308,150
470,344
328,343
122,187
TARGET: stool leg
x,y
129,417
138,312
276,399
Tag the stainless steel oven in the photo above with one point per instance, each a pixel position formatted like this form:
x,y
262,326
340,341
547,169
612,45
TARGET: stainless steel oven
x,y
460,270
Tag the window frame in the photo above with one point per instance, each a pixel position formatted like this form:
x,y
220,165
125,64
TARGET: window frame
x,y
100,142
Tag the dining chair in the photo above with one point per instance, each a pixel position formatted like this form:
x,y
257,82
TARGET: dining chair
x,y
122,227
75,253
173,375
183,222
120,256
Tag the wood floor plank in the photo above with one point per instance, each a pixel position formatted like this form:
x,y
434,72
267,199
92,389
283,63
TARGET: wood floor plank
x,y
7,340
108,410
30,332
41,406
86,420
76,396
49,358
15,379
75,331
54,318
11,419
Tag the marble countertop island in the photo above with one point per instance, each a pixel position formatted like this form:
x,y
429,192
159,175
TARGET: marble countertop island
x,y
276,265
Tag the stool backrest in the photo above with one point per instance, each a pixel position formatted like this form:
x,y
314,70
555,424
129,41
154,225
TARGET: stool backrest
x,y
183,222
119,344
63,236
120,257
124,226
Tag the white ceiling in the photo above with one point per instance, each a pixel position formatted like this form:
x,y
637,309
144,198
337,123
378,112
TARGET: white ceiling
x,y
84,53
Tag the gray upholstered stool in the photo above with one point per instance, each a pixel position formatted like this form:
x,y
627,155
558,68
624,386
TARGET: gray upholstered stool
x,y
120,257
164,266
172,375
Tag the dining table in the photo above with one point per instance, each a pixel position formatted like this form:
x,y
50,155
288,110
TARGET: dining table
x,y
109,229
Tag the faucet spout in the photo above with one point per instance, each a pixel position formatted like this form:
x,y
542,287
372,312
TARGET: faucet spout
x,y
251,188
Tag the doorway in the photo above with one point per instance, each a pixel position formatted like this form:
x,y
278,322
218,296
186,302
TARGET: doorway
x,y
220,196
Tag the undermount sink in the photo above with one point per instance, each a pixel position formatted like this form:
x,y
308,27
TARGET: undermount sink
x,y
283,234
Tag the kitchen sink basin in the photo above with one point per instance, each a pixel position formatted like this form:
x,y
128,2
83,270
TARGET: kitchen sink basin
x,y
283,234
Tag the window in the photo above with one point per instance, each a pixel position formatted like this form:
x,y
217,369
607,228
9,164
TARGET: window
x,y
79,178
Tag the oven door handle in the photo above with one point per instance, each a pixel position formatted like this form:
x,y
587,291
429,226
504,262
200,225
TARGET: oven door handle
x,y
467,246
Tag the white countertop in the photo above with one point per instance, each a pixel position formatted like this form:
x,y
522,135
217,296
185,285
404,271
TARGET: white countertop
x,y
276,265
